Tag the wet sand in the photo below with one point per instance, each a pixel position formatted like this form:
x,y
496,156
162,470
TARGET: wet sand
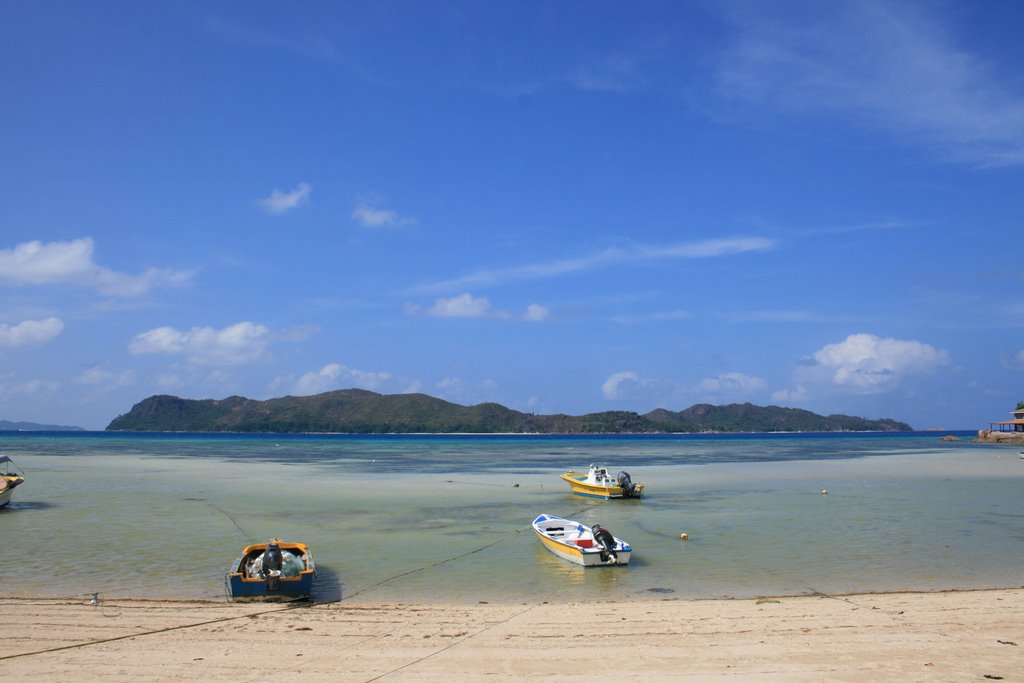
x,y
961,635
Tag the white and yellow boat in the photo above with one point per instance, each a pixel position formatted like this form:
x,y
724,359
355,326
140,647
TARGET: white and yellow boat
x,y
597,483
586,546
10,477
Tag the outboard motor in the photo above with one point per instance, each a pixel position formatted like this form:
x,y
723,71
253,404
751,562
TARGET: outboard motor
x,y
625,483
604,538
272,561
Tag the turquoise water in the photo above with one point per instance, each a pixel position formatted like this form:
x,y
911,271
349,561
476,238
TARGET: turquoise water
x,y
446,519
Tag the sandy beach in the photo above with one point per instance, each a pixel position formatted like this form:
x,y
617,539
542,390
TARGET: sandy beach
x,y
962,635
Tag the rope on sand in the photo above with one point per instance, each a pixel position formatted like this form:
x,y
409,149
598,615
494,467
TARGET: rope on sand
x,y
299,603
486,628
128,636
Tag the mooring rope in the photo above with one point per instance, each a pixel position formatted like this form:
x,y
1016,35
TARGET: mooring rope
x,y
488,627
290,606
517,530
166,629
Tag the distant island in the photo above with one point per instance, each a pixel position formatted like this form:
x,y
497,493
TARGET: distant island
x,y
8,426
357,411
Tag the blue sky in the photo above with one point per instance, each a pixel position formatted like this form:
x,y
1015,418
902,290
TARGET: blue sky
x,y
558,206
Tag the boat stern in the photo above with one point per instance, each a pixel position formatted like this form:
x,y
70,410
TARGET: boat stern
x,y
244,582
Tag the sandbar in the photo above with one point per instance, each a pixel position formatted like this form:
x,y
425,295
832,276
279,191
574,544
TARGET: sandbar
x,y
955,635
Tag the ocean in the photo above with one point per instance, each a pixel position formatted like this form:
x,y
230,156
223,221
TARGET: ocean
x,y
446,519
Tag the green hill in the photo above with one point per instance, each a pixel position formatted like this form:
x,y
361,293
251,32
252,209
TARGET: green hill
x,y
356,411
748,417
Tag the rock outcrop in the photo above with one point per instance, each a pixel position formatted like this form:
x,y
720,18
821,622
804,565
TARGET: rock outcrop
x,y
991,436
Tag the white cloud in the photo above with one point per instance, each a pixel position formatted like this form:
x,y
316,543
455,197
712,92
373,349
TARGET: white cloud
x,y
462,306
30,332
612,387
643,392
797,394
672,315
38,263
100,377
448,386
465,391
170,380
372,217
614,72
30,388
536,313
277,38
338,376
866,364
237,344
1015,362
468,306
773,316
732,383
279,202
658,317
639,253
886,64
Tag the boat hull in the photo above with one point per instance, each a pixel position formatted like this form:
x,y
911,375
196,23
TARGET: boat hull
x,y
578,483
241,585
573,542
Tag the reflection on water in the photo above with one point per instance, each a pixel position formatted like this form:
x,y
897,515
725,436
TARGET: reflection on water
x,y
448,518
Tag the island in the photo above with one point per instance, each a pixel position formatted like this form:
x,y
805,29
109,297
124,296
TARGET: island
x,y
358,411
9,426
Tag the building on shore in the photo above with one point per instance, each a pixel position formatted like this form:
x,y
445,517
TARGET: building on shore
x,y
1014,425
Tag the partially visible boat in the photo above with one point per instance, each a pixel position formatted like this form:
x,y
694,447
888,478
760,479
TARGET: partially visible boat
x,y
273,569
587,546
597,483
10,478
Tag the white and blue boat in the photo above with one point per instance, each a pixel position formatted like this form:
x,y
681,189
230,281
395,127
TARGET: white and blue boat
x,y
586,546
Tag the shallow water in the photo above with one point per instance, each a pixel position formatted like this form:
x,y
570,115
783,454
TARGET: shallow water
x,y
446,519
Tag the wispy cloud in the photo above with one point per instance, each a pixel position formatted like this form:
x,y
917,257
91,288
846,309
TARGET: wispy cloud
x,y
97,376
535,313
279,202
466,391
609,257
369,216
612,388
873,226
30,332
772,316
1014,361
338,376
461,306
731,384
658,317
619,71
28,389
39,263
309,45
468,306
887,65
